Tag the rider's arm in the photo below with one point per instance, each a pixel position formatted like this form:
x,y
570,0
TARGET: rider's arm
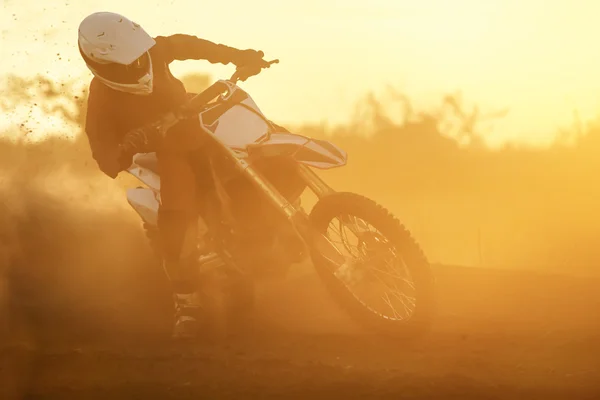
x,y
106,153
104,144
187,47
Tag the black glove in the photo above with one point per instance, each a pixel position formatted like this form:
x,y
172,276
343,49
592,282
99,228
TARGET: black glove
x,y
186,111
249,58
141,140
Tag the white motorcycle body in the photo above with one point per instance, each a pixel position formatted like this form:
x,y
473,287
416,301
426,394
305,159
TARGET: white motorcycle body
x,y
244,129
259,173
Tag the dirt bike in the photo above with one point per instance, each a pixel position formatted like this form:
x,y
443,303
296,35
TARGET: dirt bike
x,y
257,226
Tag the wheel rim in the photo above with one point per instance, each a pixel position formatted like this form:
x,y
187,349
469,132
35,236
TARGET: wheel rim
x,y
373,271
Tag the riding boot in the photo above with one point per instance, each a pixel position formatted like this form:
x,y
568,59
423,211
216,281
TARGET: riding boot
x,y
179,238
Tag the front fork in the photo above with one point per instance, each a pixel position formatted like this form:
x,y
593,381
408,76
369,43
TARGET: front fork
x,y
298,219
314,182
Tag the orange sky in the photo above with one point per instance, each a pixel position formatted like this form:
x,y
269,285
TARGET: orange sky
x,y
537,57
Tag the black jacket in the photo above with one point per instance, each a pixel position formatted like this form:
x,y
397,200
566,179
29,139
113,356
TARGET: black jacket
x,y
111,113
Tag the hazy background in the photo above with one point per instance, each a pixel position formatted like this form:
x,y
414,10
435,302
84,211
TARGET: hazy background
x,y
536,57
502,175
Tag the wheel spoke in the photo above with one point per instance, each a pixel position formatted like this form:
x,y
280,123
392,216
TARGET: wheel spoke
x,y
383,267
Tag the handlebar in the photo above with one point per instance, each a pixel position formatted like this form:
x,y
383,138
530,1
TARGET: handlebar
x,y
197,103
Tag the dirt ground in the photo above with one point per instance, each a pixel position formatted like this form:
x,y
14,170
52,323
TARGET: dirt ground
x,y
85,313
498,335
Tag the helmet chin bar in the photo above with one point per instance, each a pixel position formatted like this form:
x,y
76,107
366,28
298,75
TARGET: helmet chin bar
x,y
147,82
144,85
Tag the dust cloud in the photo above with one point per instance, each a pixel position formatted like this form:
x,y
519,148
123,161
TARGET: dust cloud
x,y
72,254
67,229
76,265
74,257
517,207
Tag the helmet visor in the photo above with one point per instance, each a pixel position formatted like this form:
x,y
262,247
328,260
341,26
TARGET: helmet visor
x,y
126,74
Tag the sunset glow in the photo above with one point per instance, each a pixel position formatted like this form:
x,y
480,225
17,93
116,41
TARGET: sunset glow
x,y
536,57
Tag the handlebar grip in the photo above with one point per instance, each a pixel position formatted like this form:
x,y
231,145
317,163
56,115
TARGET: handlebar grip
x,y
246,73
243,73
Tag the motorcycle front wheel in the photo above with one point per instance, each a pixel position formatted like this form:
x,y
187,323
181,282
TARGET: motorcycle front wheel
x,y
381,276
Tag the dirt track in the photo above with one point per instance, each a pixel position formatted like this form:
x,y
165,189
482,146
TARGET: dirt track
x,y
93,313
499,336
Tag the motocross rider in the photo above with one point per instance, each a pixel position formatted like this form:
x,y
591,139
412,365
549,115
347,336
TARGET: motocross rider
x,y
132,86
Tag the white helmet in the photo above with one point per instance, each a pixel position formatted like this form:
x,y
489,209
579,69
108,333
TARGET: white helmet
x,y
115,49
